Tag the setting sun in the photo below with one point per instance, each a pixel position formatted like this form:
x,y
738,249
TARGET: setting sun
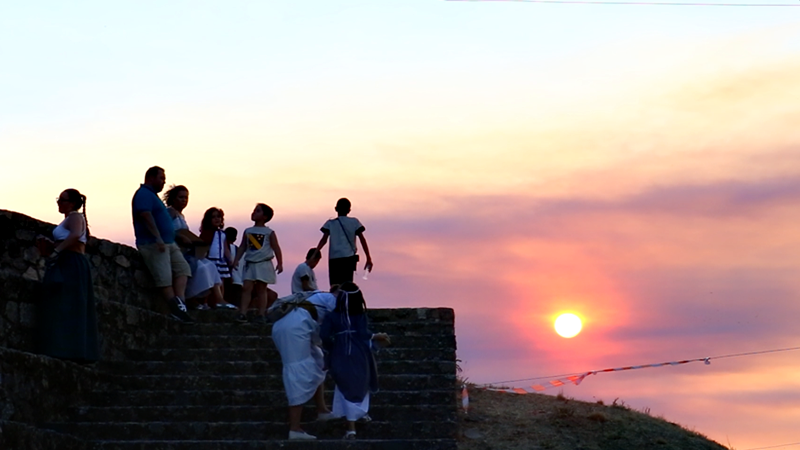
x,y
568,325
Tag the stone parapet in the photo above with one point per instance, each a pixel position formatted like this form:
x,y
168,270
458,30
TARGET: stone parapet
x,y
215,385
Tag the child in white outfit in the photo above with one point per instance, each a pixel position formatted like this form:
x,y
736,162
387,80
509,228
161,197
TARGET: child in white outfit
x,y
259,247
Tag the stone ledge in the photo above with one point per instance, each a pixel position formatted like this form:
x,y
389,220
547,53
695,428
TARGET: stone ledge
x,y
36,389
19,436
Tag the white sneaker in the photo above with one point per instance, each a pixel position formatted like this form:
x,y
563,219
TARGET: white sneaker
x,y
300,435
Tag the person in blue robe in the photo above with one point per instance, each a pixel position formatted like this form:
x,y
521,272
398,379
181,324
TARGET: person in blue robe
x,y
349,343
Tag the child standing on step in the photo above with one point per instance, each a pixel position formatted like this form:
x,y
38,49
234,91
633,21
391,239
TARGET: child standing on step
x,y
259,246
348,341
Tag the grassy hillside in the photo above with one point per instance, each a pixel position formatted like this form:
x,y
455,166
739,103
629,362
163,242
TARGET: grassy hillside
x,y
508,421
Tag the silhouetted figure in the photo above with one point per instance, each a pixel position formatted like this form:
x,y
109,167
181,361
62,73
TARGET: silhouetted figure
x,y
342,257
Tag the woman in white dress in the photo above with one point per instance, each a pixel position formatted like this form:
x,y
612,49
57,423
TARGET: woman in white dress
x,y
296,335
205,279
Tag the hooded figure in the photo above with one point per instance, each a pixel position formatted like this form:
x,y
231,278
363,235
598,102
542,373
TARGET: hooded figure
x,y
348,341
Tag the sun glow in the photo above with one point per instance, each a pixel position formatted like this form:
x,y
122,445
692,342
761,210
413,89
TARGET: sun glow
x,y
568,325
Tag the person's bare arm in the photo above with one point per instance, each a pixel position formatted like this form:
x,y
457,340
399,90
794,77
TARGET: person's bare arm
x,y
240,251
305,281
150,224
273,242
368,265
323,241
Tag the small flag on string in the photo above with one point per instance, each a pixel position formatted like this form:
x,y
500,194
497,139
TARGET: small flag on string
x,y
577,379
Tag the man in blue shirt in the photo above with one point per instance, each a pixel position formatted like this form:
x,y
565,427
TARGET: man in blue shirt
x,y
155,239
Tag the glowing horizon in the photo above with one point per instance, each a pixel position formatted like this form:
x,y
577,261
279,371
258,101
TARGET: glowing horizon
x,y
512,161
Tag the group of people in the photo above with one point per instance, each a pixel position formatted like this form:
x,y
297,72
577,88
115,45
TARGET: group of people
x,y
319,331
208,266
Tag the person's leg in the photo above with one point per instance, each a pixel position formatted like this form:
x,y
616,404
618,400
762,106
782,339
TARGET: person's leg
x,y
319,399
161,269
294,418
261,297
247,292
272,296
167,293
335,271
215,296
181,271
179,285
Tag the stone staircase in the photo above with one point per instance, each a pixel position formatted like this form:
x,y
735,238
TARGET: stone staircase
x,y
217,385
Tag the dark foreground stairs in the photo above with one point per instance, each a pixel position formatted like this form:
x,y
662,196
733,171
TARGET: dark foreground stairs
x,y
217,385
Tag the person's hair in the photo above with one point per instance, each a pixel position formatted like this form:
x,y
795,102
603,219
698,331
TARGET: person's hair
x,y
206,225
266,211
231,233
152,172
343,205
172,194
350,299
78,201
313,253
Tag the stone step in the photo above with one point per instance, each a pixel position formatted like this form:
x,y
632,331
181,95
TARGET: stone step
x,y
247,329
442,316
246,413
272,355
395,382
264,397
258,367
22,436
281,444
265,341
252,430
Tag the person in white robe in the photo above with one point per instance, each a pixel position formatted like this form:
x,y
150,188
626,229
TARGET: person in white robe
x,y
296,335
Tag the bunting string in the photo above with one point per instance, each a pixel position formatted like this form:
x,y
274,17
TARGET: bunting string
x,y
578,377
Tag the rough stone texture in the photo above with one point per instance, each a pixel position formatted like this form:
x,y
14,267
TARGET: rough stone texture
x,y
19,436
36,389
215,385
121,282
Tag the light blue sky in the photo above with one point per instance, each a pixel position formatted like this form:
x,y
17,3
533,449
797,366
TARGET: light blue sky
x,y
62,59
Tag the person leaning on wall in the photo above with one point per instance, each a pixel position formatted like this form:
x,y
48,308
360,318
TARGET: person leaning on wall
x,y
66,315
155,240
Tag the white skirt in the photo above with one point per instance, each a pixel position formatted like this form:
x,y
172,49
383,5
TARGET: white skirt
x,y
302,361
344,408
263,271
203,279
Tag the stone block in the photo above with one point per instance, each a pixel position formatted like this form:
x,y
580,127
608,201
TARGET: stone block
x,y
122,261
25,235
100,292
27,313
12,312
107,248
31,274
31,254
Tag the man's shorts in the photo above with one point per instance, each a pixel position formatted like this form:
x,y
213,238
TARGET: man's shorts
x,y
163,266
263,271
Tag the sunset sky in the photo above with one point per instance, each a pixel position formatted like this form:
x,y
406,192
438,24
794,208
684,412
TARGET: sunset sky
x,y
636,165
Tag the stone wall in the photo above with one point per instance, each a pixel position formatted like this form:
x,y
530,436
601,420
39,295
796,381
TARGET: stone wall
x,y
37,390
122,285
